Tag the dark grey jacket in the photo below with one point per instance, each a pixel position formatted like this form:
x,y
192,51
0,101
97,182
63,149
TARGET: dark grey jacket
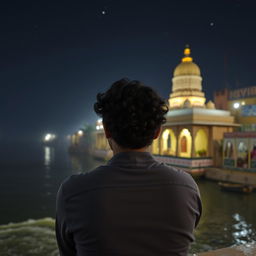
x,y
132,206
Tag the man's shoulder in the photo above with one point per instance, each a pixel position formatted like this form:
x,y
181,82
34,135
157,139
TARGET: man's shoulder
x,y
177,176
82,181
107,175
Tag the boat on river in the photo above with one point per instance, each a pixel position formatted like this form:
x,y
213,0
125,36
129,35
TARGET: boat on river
x,y
236,187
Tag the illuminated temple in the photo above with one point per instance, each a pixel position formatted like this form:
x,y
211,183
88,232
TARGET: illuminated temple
x,y
191,137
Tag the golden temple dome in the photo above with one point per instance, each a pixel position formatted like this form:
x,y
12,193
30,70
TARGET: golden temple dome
x,y
187,66
210,105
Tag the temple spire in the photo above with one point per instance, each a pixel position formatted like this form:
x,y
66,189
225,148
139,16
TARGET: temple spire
x,y
187,57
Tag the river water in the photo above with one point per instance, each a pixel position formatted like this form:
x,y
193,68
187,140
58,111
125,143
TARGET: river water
x,y
30,175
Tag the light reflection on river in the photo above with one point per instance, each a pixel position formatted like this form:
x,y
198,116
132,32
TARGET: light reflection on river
x,y
30,177
228,218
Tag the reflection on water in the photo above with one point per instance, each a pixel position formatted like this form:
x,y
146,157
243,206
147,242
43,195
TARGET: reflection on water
x,y
227,219
48,156
76,163
83,163
48,161
243,232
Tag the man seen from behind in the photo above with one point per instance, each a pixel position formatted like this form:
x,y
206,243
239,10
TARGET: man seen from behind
x,y
133,205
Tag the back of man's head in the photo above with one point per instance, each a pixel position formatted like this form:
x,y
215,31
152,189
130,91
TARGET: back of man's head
x,y
132,113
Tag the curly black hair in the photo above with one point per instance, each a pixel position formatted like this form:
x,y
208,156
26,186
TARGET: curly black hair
x,y
132,112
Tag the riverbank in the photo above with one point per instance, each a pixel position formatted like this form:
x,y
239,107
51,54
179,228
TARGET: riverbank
x,y
242,250
227,175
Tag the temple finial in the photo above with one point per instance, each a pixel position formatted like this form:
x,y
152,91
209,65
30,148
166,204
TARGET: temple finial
x,y
187,57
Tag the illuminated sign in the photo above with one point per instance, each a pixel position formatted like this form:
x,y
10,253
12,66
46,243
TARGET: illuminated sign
x,y
248,110
242,93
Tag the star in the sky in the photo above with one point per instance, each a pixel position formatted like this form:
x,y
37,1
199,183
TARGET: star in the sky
x,y
103,12
212,24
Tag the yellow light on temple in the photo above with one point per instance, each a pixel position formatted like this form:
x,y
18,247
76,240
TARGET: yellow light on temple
x,y
186,132
165,134
179,101
187,59
187,51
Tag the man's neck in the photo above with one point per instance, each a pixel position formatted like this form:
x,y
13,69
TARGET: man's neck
x,y
130,150
118,149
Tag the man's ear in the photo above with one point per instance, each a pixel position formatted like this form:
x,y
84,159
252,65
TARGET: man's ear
x,y
157,132
107,133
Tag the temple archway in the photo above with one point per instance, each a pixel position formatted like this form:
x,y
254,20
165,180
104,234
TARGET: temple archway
x,y
185,143
168,142
201,143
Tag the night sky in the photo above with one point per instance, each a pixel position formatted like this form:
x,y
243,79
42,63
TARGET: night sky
x,y
56,56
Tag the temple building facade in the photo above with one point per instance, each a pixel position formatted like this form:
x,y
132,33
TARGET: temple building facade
x,y
193,133
192,136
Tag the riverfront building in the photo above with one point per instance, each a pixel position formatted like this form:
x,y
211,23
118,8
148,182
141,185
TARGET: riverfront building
x,y
241,103
239,148
191,137
240,151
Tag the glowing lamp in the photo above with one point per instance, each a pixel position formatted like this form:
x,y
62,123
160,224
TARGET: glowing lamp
x,y
236,105
47,137
80,132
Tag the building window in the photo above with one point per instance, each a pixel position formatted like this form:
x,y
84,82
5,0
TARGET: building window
x,y
229,152
253,156
242,159
168,142
183,144
201,143
169,145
